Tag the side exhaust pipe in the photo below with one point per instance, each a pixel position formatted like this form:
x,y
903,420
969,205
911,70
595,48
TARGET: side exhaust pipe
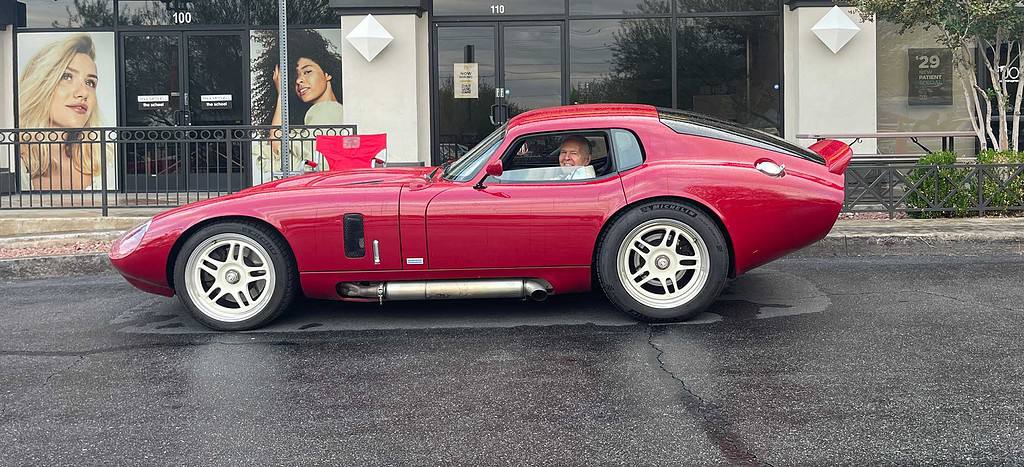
x,y
532,289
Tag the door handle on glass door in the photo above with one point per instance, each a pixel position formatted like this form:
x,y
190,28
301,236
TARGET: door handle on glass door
x,y
493,116
770,168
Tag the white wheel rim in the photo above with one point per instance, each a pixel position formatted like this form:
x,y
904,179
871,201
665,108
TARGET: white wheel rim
x,y
663,263
230,277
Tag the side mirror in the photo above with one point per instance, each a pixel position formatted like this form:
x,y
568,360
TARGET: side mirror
x,y
494,169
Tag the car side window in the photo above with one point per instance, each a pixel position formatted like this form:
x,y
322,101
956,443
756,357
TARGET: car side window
x,y
557,157
627,149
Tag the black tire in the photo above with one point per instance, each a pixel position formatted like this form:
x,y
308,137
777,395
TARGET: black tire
x,y
607,259
285,272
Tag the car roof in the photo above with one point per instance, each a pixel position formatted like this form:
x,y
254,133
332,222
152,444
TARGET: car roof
x,y
584,110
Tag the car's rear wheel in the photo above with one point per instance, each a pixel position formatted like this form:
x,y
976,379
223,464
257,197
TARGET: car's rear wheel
x,y
663,261
235,276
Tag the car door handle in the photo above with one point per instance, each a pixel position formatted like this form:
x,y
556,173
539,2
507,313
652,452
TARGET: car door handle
x,y
770,168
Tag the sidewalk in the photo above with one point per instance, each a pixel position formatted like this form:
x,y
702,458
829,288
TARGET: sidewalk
x,y
910,237
37,243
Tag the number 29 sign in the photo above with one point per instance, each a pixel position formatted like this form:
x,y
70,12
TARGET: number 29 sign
x,y
931,77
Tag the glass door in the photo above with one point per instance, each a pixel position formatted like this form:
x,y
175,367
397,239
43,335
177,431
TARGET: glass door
x,y
152,78
465,91
531,67
216,67
183,79
489,72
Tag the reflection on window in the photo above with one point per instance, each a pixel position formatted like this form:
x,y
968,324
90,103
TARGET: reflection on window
x,y
533,67
895,110
198,12
697,6
626,60
304,12
619,7
463,122
69,13
729,68
627,149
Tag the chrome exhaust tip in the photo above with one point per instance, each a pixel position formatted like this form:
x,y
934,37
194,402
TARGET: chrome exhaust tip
x,y
535,291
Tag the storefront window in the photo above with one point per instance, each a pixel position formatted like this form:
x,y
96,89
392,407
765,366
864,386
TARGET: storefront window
x,y
697,6
626,60
729,68
306,12
619,7
195,12
69,14
918,90
498,8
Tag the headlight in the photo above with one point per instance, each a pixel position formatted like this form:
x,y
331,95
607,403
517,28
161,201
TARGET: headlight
x,y
131,240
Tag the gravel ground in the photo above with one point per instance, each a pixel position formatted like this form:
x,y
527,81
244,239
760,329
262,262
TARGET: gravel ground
x,y
78,248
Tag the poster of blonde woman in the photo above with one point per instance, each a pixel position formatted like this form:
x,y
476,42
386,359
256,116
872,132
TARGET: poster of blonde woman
x,y
66,85
313,90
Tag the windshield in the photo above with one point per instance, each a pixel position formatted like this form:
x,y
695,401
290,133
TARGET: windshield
x,y
469,164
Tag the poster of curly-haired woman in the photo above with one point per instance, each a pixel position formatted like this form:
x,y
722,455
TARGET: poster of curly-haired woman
x,y
313,90
66,85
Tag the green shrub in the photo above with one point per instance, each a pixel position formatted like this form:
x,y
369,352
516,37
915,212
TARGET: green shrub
x,y
941,184
1003,186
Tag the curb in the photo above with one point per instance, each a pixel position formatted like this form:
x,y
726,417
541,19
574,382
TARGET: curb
x,y
941,244
49,225
40,267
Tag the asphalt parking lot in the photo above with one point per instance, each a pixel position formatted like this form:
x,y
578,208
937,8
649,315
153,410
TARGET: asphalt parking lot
x,y
805,361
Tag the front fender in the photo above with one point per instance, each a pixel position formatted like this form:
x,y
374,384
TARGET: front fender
x,y
291,212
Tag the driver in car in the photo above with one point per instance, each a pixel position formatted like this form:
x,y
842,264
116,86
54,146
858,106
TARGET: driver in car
x,y
575,152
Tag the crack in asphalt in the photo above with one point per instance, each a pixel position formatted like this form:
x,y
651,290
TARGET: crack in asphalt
x,y
80,359
715,424
960,300
46,382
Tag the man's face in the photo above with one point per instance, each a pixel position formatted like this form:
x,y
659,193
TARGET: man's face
x,y
573,154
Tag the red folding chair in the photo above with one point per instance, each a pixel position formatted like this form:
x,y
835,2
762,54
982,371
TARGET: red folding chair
x,y
353,152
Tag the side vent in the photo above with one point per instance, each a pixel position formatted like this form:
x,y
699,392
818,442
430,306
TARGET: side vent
x,y
355,242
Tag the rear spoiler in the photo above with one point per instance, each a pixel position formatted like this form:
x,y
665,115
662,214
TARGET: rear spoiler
x,y
837,154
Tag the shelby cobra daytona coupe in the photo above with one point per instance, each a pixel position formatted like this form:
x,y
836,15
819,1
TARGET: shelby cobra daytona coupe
x,y
656,207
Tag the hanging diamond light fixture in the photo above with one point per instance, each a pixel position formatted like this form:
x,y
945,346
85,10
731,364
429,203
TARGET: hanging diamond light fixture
x,y
836,29
369,37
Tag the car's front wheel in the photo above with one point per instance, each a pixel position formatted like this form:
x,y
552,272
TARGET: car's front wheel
x,y
663,261
235,276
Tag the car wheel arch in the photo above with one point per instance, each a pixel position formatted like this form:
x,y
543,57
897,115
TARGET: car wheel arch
x,y
189,232
679,199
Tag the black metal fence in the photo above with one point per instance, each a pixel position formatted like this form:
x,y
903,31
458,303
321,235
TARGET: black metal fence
x,y
151,167
158,167
965,189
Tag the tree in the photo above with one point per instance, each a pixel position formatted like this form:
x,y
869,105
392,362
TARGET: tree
x,y
964,26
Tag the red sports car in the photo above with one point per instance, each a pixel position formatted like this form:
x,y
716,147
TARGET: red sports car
x,y
656,207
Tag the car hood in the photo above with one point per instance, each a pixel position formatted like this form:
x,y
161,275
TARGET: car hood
x,y
388,177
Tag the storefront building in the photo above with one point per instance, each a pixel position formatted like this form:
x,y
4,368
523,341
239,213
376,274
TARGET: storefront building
x,y
454,69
